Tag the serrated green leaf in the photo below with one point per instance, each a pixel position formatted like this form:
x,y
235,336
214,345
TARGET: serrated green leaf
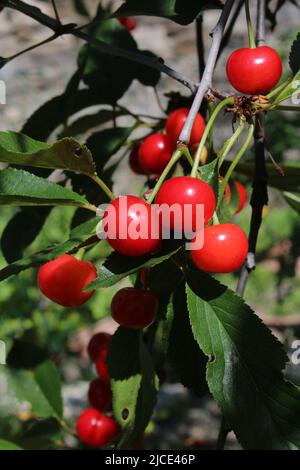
x,y
8,445
180,11
47,377
65,154
18,187
79,235
117,266
244,372
189,367
133,383
294,57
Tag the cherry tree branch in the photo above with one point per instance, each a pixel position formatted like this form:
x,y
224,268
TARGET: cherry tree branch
x,y
259,196
206,80
71,28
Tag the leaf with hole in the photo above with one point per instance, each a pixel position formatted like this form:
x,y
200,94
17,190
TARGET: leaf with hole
x,y
244,372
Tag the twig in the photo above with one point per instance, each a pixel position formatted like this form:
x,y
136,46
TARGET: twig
x,y
55,11
62,29
205,83
261,23
229,29
259,196
200,45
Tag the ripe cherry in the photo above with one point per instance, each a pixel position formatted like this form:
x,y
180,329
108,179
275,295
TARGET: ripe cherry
x,y
185,190
134,161
224,251
129,23
101,366
96,429
63,280
132,226
175,123
155,153
134,308
99,344
254,71
99,394
242,196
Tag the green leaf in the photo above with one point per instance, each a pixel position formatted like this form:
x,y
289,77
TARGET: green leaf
x,y
22,387
88,121
133,382
65,154
18,187
79,235
81,7
244,371
190,367
181,11
47,377
21,231
209,173
48,117
117,266
294,58
106,143
114,75
292,89
289,182
293,199
7,445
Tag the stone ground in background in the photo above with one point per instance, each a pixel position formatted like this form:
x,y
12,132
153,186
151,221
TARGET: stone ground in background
x,y
42,74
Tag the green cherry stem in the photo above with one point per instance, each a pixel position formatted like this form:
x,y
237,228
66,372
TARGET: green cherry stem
x,y
176,156
103,186
251,36
222,154
279,88
234,164
209,125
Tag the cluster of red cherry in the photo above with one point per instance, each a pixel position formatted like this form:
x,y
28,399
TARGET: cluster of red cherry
x,y
95,426
252,71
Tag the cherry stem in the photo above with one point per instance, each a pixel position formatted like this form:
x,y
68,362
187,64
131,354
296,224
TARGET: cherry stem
x,y
176,156
222,154
209,125
234,164
251,36
103,186
279,88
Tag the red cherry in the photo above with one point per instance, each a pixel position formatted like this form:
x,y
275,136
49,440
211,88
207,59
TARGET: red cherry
x,y
134,161
183,190
99,394
155,153
102,368
134,308
132,226
63,280
227,190
129,23
175,123
254,71
98,344
242,195
224,251
96,429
